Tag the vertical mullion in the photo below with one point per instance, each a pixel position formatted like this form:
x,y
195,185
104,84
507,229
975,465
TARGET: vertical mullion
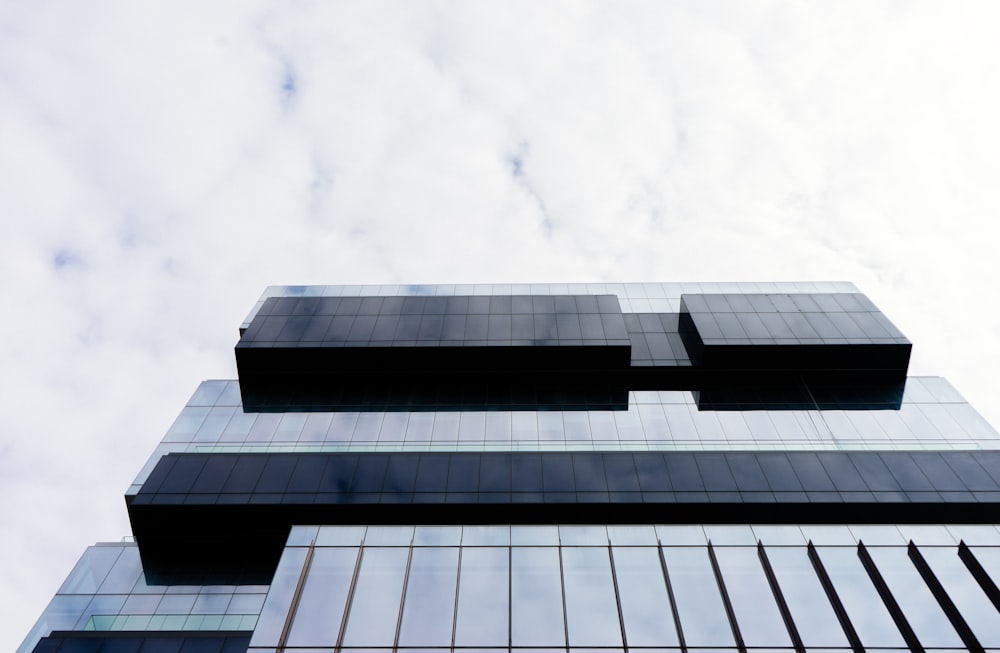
x,y
296,596
831,594
730,613
562,587
458,585
510,595
350,596
949,607
895,611
618,600
981,575
779,597
670,596
402,599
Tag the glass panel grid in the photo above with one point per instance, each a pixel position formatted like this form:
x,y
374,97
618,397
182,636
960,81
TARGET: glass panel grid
x,y
653,295
557,570
654,421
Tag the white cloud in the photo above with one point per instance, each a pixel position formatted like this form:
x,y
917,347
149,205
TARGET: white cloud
x,y
177,157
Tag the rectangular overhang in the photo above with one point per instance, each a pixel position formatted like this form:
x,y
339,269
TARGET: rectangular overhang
x,y
230,513
795,332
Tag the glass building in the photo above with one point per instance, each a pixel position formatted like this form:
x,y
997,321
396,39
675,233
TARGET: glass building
x,y
545,468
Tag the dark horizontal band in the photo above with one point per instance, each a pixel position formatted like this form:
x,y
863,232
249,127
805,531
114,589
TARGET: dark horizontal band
x,y
230,513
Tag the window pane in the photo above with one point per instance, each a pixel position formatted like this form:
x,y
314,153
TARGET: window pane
x,y
703,616
430,598
591,609
753,601
813,615
321,604
989,559
914,597
482,597
964,592
864,606
536,597
122,577
89,572
644,599
375,605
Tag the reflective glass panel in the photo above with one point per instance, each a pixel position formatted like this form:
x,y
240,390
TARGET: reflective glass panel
x,y
429,607
89,572
703,616
644,599
321,604
591,609
122,577
485,535
483,597
753,601
812,613
536,597
375,604
864,606
989,559
965,593
632,535
915,599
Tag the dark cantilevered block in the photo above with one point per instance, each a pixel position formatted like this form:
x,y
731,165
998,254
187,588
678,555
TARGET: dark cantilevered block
x,y
479,344
807,332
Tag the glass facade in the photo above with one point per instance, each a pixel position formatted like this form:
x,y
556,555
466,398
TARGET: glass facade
x,y
107,592
640,586
932,416
556,467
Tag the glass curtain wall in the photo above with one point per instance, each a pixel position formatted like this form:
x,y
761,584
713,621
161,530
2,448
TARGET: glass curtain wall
x,y
616,588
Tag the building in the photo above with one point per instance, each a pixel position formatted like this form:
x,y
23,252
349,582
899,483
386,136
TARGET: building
x,y
539,468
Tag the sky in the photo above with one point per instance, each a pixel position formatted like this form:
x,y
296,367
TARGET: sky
x,y
163,161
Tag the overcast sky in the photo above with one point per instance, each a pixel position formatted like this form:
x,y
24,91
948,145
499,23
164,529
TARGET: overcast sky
x,y
161,162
